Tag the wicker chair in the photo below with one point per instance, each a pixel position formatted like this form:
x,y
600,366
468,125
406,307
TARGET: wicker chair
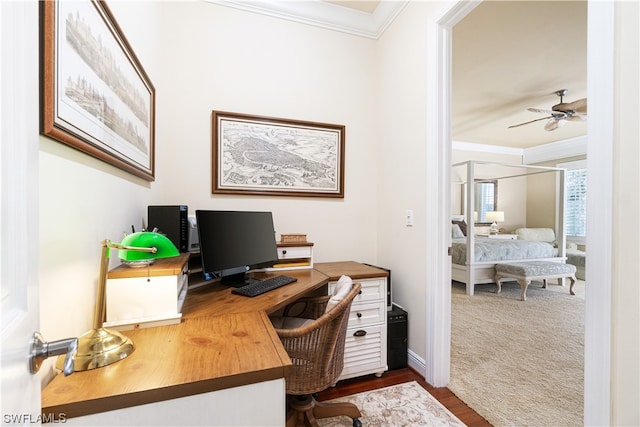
x,y
317,352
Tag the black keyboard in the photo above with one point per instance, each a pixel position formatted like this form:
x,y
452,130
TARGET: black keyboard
x,y
261,286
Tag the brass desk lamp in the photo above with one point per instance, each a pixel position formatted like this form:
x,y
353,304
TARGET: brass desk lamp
x,y
100,346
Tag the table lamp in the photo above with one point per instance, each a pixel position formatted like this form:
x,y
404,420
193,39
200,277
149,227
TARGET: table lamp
x,y
100,346
495,217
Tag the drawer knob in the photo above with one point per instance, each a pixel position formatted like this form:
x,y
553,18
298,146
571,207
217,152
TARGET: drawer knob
x,y
359,315
284,252
360,333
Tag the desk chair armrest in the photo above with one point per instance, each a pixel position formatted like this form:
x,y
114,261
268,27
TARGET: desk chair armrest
x,y
307,307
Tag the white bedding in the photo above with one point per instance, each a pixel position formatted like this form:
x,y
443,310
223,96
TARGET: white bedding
x,y
487,249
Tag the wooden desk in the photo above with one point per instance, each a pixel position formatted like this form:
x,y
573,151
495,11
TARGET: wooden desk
x,y
199,355
224,344
355,270
174,361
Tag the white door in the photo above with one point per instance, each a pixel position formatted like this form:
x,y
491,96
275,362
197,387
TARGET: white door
x,y
19,208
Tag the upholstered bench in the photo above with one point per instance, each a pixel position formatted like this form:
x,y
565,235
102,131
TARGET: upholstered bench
x,y
525,272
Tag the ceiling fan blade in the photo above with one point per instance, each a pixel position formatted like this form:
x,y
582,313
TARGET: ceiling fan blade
x,y
530,121
579,106
552,124
538,110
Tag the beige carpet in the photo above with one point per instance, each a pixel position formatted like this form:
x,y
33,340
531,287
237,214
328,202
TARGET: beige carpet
x,y
519,363
405,404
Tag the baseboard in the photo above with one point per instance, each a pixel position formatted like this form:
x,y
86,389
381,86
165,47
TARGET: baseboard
x,y
417,363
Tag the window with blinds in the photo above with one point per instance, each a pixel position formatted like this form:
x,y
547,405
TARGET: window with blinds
x,y
575,199
485,200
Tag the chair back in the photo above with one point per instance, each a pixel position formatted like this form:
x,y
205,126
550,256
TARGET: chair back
x,y
317,349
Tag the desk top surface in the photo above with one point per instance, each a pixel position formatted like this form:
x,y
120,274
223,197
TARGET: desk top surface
x,y
192,357
174,361
214,299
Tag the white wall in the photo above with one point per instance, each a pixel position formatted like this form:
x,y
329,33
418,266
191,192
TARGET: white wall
x,y
82,202
403,155
218,58
202,57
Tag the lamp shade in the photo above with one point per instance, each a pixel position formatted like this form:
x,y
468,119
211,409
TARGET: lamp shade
x,y
495,216
164,248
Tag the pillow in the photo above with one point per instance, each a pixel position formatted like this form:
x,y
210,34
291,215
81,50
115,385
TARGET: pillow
x,y
536,234
462,225
456,232
339,292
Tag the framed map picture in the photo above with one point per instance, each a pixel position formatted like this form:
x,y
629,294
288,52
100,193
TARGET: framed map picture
x,y
96,97
277,157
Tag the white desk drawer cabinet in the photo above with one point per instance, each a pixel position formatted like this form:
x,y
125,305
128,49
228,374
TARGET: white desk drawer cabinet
x,y
365,351
145,297
365,314
366,343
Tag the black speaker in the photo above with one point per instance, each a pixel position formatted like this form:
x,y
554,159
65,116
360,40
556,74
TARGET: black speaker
x,y
172,222
397,330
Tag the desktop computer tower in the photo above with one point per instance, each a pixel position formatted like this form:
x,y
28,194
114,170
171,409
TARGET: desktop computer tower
x,y
172,222
397,340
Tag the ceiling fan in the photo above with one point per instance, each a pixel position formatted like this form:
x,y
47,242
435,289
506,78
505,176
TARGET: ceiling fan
x,y
560,113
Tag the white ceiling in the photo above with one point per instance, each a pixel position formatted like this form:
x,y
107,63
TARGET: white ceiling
x,y
512,55
507,56
361,5
359,17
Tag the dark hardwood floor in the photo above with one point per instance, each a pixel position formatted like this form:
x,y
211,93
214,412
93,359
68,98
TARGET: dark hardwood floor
x,y
399,376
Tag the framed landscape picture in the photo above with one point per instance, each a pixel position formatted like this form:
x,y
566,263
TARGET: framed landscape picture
x,y
96,97
279,157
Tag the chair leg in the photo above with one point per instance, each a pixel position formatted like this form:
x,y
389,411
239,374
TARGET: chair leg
x,y
306,412
328,410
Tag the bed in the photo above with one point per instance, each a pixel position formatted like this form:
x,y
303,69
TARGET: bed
x,y
473,257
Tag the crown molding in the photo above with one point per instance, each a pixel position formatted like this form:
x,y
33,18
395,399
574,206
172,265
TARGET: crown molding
x,y
556,150
542,153
325,15
486,148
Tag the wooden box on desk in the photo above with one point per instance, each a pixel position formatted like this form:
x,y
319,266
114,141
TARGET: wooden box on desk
x,y
138,297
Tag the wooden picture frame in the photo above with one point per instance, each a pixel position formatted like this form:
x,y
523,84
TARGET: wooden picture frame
x,y
270,156
95,94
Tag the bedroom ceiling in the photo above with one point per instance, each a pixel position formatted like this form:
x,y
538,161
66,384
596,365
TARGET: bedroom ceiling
x,y
512,55
507,56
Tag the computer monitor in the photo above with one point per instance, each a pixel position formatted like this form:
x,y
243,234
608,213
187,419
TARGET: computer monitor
x,y
234,242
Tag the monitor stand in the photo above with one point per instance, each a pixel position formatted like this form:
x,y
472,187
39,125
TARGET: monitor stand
x,y
237,280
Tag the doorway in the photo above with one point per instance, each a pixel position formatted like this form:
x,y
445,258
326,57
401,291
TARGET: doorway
x,y
601,32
